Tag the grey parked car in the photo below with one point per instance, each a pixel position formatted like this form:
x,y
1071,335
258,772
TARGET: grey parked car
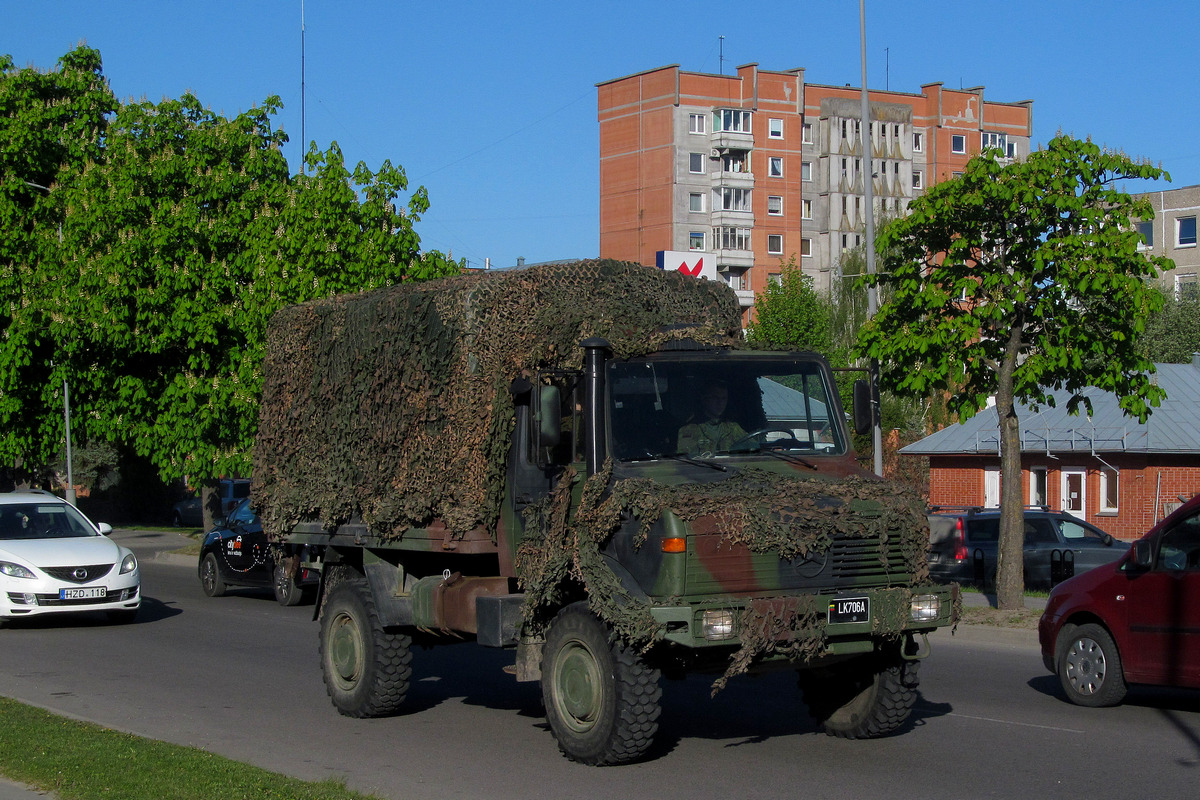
x,y
963,545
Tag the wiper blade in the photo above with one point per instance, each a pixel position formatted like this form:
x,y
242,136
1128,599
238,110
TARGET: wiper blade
x,y
686,459
789,457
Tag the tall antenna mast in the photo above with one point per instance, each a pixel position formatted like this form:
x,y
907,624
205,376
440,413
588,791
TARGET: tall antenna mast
x,y
303,146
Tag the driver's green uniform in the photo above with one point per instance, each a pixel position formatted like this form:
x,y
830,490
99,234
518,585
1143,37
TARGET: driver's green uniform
x,y
709,437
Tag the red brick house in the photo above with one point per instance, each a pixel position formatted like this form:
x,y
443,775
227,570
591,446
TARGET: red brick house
x,y
1117,474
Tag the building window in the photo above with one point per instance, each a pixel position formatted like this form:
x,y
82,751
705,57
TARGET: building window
x,y
736,280
806,133
806,247
958,143
696,123
696,240
806,209
736,161
775,166
918,179
731,238
1146,231
775,243
1109,490
731,120
806,171
1186,286
775,128
918,142
696,202
1185,228
733,199
775,279
1037,487
697,163
996,141
774,205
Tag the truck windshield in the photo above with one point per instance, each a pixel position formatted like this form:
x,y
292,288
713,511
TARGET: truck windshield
x,y
721,407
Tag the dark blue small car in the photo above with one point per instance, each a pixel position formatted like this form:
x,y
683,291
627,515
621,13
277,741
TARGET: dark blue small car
x,y
236,553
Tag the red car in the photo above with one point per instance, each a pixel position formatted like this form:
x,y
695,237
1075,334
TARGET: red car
x,y
1134,621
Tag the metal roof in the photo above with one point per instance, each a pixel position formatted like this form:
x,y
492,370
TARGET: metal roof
x,y
1173,427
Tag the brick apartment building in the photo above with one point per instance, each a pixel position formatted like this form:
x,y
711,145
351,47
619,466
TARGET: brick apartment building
x,y
1172,233
1118,474
755,168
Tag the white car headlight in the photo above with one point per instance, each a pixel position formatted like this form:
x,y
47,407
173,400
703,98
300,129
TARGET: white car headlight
x,y
128,564
15,570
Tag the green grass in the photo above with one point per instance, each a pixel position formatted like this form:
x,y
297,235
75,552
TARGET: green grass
x,y
82,761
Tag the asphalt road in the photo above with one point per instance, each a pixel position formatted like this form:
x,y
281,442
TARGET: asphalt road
x,y
239,676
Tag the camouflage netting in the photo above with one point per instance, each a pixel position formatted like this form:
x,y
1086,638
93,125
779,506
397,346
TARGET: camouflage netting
x,y
394,404
791,514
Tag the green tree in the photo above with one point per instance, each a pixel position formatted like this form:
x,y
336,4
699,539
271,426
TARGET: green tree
x,y
52,123
791,314
181,234
1173,334
1014,280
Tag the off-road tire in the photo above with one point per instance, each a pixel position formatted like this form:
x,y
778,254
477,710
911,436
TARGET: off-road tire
x,y
287,593
211,581
1089,666
366,669
862,701
602,700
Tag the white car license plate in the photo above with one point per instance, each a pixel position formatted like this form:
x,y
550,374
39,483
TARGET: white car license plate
x,y
850,609
82,594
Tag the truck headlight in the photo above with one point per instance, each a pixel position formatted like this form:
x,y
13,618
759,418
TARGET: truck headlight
x,y
717,624
925,608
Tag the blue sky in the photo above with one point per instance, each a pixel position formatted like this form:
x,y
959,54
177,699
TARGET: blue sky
x,y
492,107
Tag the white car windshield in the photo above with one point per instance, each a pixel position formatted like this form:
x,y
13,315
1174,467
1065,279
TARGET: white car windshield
x,y
43,521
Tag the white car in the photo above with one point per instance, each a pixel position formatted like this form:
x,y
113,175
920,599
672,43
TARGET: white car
x,y
54,560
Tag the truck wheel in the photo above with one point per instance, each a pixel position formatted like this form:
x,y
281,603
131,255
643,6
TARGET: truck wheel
x,y
865,701
601,698
1089,666
210,577
287,593
366,669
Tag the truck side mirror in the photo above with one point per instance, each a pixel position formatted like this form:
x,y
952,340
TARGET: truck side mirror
x,y
864,413
547,417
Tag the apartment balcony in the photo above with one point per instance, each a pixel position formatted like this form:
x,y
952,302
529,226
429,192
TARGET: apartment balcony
x,y
734,180
733,219
734,259
732,140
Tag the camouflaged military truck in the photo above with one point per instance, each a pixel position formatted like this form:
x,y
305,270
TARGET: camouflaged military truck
x,y
519,459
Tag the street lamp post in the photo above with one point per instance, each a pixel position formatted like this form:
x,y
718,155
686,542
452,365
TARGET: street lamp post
x,y
869,202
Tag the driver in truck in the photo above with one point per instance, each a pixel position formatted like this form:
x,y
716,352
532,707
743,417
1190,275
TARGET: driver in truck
x,y
713,433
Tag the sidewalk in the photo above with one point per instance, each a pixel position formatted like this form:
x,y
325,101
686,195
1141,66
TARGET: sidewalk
x,y
19,791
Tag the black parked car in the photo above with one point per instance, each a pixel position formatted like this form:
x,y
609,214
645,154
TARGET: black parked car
x,y
235,553
963,545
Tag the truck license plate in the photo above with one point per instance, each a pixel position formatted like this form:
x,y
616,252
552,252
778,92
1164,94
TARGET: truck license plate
x,y
849,609
82,594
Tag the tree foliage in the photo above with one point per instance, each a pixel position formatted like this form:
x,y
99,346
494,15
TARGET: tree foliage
x,y
1014,280
1173,334
182,232
791,314
51,123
